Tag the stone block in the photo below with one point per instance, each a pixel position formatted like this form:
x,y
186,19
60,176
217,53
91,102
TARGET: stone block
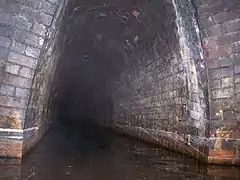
x,y
212,63
33,40
17,81
26,72
3,52
53,1
22,23
6,18
33,52
12,68
6,31
228,39
227,82
22,93
237,69
18,47
35,4
222,93
30,14
39,29
7,90
20,35
237,88
215,84
45,19
225,61
8,101
48,8
22,60
225,16
5,42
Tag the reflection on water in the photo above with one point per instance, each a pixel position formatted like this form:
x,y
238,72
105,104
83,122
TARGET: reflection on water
x,y
92,153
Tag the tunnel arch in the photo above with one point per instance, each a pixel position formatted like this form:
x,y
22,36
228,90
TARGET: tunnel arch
x,y
141,67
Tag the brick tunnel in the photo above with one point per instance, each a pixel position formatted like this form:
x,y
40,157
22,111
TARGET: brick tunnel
x,y
166,72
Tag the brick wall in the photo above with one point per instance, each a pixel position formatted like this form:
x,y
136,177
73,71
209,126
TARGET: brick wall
x,y
142,67
26,29
219,23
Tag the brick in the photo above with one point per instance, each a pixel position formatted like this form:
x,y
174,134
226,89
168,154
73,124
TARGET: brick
x,y
30,14
225,61
7,90
236,47
6,31
17,81
222,93
45,19
3,52
39,29
26,72
48,8
237,79
12,8
20,35
22,60
53,1
225,16
22,93
30,3
215,84
8,101
228,39
237,88
237,69
18,47
12,68
227,82
6,18
5,42
23,23
33,40
212,63
33,52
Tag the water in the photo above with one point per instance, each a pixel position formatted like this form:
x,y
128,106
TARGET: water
x,y
92,153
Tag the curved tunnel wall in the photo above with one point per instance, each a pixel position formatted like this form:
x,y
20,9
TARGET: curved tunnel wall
x,y
137,67
133,65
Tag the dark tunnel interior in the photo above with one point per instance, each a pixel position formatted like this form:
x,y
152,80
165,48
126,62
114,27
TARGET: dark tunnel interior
x,y
107,45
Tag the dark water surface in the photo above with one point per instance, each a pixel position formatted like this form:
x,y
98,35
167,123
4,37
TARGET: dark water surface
x,y
92,153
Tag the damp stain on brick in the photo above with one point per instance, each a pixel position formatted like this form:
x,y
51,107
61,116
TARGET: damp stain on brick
x,y
12,120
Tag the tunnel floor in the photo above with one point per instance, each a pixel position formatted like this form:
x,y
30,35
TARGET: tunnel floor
x,y
93,153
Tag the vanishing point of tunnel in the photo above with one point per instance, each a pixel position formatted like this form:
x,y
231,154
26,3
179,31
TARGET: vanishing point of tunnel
x,y
166,72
